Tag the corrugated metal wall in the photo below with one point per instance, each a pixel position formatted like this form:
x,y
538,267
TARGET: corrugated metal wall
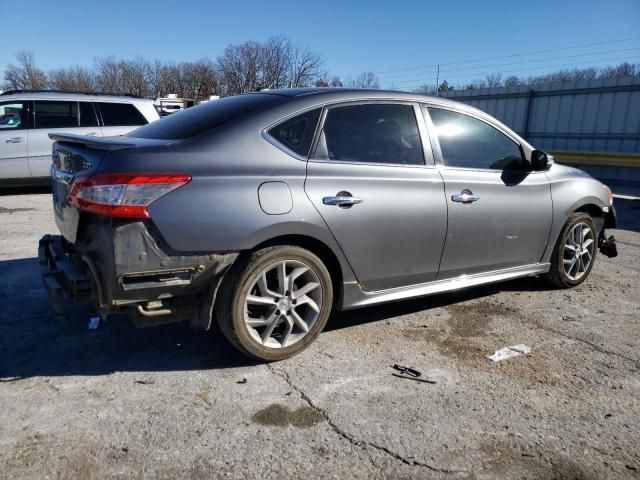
x,y
585,115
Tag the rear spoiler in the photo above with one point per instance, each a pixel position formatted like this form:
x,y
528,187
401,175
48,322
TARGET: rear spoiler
x,y
98,143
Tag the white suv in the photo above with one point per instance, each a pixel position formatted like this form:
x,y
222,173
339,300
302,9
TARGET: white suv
x,y
27,118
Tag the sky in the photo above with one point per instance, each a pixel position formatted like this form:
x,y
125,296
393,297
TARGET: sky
x,y
399,41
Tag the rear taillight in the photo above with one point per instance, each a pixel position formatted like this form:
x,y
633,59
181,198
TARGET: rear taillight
x,y
124,195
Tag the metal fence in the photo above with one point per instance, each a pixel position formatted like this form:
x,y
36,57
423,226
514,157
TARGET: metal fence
x,y
600,115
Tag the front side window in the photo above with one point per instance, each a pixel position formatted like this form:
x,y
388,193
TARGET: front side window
x,y
13,116
120,114
467,142
55,114
297,133
371,133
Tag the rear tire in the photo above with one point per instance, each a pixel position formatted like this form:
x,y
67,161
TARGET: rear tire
x,y
273,303
574,253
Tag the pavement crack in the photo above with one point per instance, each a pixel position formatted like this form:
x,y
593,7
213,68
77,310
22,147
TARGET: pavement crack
x,y
595,347
349,438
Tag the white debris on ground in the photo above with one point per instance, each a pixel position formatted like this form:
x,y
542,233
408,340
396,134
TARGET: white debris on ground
x,y
509,352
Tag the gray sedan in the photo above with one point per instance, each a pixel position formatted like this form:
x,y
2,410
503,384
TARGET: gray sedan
x,y
264,211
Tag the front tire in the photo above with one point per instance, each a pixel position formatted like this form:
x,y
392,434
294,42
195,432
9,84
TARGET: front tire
x,y
274,302
574,253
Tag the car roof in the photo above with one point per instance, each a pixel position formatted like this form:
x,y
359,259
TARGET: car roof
x,y
357,93
326,95
62,95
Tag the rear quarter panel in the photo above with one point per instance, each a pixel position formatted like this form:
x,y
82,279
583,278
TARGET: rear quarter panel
x,y
219,210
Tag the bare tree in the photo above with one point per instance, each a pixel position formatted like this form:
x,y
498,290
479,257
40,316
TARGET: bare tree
x,y
426,89
336,82
365,80
324,81
199,79
276,62
75,78
512,81
170,79
625,69
475,84
135,76
494,79
239,66
305,66
25,75
107,74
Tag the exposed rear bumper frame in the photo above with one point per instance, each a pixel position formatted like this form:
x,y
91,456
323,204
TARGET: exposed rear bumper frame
x,y
64,281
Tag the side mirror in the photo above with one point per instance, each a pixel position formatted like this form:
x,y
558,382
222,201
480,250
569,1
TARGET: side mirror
x,y
540,161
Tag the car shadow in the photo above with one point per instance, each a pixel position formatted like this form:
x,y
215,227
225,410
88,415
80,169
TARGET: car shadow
x,y
37,342
376,313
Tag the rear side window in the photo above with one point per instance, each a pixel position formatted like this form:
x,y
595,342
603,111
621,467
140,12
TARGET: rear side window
x,y
297,133
467,142
53,114
371,133
87,115
120,114
208,116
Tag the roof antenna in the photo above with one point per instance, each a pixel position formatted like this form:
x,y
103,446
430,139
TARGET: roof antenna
x,y
438,82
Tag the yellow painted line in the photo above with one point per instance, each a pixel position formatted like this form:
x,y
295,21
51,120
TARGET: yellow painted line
x,y
604,159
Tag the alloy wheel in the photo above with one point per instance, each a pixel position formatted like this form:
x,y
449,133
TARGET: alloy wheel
x,y
578,251
283,303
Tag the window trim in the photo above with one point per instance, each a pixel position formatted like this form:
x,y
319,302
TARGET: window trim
x,y
427,151
264,132
435,142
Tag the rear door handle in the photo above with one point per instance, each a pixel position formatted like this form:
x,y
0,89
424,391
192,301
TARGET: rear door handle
x,y
466,196
342,199
13,140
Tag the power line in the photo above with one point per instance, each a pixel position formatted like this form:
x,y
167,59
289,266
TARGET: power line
x,y
515,63
509,56
447,77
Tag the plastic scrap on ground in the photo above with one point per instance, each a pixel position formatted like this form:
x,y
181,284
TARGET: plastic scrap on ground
x,y
509,352
94,323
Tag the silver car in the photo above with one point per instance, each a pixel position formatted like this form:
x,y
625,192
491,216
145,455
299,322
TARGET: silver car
x,y
265,211
27,117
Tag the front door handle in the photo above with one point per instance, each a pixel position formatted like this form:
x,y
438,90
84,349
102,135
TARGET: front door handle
x,y
466,197
342,199
13,140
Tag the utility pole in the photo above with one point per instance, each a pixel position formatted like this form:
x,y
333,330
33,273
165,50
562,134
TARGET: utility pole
x,y
438,81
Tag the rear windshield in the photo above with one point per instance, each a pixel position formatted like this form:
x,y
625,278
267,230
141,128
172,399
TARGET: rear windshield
x,y
203,118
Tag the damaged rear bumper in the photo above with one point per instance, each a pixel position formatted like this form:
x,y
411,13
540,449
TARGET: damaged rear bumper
x,y
126,267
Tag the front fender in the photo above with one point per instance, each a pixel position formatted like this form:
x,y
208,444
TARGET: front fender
x,y
573,190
